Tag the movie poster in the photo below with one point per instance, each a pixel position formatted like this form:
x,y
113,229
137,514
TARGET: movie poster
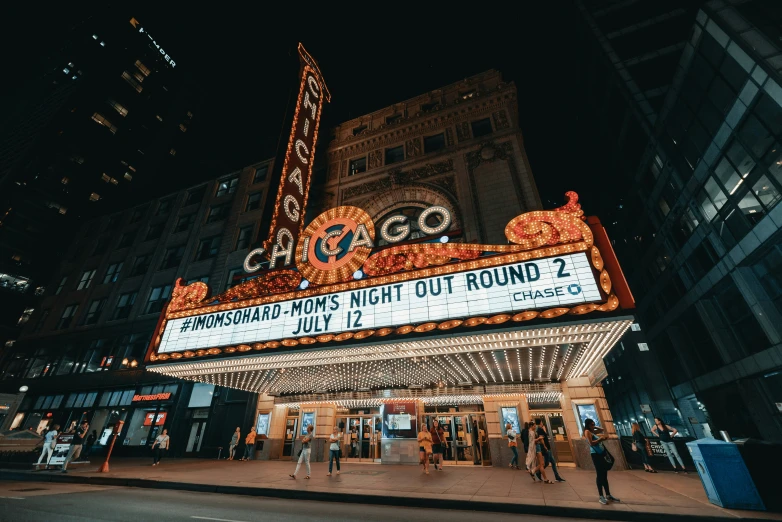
x,y
61,449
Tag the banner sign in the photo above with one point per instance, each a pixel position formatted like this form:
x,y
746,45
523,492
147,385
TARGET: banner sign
x,y
288,213
61,448
534,284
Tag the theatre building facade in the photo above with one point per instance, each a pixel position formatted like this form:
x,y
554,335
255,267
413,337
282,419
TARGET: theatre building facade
x,y
427,282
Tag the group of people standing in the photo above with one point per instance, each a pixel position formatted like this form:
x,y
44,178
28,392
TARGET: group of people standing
x,y
431,442
537,448
249,444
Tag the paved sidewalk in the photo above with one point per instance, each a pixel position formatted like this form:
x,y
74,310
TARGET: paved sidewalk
x,y
644,496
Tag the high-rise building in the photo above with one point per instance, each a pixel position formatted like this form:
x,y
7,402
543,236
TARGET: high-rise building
x,y
82,352
702,235
94,130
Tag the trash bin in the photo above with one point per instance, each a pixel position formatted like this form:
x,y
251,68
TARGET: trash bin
x,y
724,475
763,460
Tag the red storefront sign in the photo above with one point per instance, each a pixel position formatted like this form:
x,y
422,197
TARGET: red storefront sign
x,y
153,397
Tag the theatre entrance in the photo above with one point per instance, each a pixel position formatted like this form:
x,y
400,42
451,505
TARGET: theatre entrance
x,y
361,433
465,433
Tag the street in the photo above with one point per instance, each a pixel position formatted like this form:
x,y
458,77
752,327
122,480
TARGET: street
x,y
23,501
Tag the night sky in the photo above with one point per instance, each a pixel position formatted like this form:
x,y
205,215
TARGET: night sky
x,y
370,58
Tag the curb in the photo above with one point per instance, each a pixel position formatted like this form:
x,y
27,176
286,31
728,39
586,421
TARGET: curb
x,y
378,500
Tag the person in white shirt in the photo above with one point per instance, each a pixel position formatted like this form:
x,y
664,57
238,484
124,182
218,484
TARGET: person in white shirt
x,y
160,446
334,449
49,442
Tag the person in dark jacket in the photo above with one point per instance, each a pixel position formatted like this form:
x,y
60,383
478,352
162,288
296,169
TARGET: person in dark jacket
x,y
640,446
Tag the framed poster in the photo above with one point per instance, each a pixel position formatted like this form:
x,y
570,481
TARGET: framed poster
x,y
399,420
262,426
307,418
584,412
509,414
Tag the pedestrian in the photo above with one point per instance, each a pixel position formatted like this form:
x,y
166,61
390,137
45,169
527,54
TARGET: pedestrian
x,y
234,442
548,455
249,444
512,444
160,446
304,455
49,442
598,454
438,440
334,449
539,465
90,442
525,437
639,445
353,442
424,446
532,459
666,434
77,443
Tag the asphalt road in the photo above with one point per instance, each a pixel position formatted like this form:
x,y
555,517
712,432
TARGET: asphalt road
x,y
42,501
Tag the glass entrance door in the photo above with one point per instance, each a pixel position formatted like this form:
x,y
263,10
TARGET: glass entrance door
x,y
360,437
465,438
291,425
558,436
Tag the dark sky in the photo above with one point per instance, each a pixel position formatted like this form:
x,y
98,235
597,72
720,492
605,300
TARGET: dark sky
x,y
370,58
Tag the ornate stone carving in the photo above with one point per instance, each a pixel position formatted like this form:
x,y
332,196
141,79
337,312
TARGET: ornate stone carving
x,y
448,183
413,147
398,177
448,137
343,168
500,120
375,159
463,131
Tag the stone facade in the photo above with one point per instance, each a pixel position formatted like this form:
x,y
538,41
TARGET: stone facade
x,y
459,146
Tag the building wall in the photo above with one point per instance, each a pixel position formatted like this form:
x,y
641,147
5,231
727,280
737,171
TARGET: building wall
x,y
479,169
102,351
704,247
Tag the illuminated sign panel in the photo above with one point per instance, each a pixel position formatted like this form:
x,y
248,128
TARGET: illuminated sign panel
x,y
288,214
535,284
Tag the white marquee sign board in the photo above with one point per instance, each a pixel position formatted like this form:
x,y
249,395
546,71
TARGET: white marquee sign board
x,y
544,283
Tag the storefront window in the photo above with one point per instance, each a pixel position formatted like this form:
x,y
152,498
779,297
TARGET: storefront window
x,y
144,425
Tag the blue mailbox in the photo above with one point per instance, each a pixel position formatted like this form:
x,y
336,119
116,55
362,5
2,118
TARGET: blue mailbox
x,y
724,475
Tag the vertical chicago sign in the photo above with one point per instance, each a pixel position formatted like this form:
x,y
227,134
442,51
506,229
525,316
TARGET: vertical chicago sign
x,y
288,214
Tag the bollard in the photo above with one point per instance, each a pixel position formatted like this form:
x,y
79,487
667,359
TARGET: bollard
x,y
219,452
117,429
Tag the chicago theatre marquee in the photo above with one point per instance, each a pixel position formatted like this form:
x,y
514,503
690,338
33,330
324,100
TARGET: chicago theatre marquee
x,y
377,318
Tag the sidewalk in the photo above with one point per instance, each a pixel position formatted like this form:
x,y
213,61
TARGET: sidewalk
x,y
644,496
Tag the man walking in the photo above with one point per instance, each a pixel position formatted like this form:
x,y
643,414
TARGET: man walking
x,y
548,456
76,444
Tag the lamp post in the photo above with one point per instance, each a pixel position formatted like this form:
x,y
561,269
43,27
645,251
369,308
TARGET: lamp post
x,y
104,468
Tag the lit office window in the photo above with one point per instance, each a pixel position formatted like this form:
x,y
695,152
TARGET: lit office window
x,y
143,68
99,118
133,82
118,107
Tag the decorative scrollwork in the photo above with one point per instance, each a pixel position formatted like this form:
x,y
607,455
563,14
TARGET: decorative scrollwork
x,y
272,283
185,296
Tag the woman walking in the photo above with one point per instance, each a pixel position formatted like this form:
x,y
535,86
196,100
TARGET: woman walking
x,y
666,434
234,442
536,447
512,444
49,442
334,449
304,456
598,451
639,441
424,446
438,441
160,446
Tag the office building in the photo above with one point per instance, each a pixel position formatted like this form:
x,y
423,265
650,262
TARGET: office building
x,y
81,354
701,241
96,130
